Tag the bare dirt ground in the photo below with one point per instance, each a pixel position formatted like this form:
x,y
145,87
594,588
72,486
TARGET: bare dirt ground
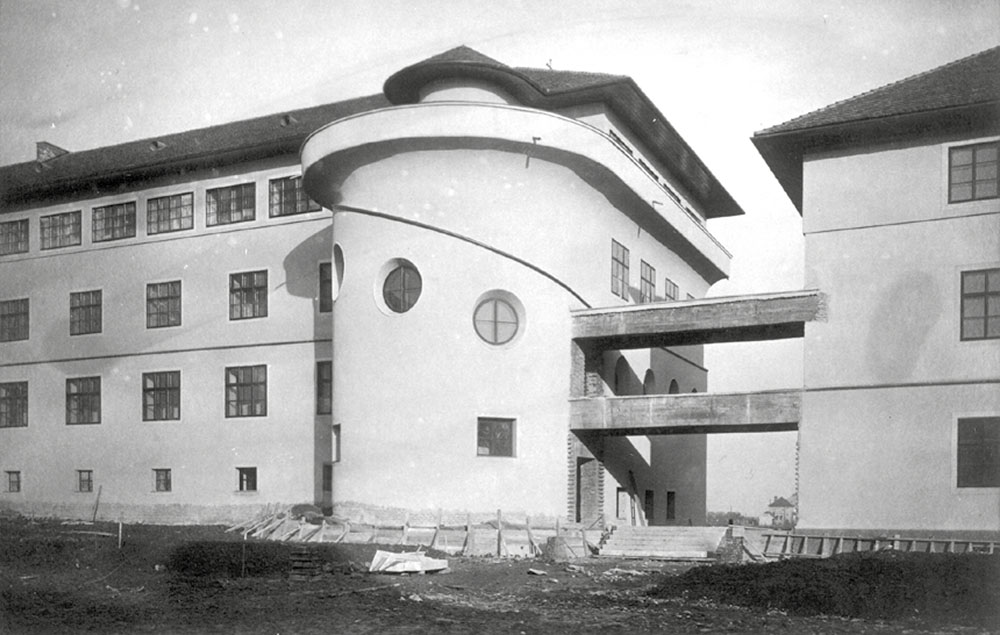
x,y
56,578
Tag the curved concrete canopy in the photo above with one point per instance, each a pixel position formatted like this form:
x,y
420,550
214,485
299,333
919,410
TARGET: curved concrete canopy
x,y
333,152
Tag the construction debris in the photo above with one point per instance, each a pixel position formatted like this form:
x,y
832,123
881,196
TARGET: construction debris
x,y
415,562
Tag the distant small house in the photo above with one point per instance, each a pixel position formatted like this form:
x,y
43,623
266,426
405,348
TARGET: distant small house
x,y
780,513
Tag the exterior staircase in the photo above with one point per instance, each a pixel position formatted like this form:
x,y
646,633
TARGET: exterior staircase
x,y
666,543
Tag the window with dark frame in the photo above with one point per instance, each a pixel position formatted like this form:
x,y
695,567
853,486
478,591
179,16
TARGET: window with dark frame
x,y
248,295
980,305
495,321
161,480
670,289
234,204
13,481
972,172
113,222
327,477
172,213
978,461
163,304
402,288
60,230
324,388
671,505
85,480
246,391
647,282
161,396
288,197
14,322
619,270
325,287
495,437
85,312
14,404
83,400
247,479
14,237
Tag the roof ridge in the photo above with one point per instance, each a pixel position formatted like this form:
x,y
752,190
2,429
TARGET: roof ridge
x,y
876,89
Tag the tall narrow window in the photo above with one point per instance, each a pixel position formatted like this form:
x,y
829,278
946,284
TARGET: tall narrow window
x,y
85,312
14,404
83,400
671,505
648,507
647,282
85,480
246,479
235,204
13,481
246,391
60,230
325,287
113,222
979,452
619,270
14,320
670,289
324,388
14,237
980,304
327,477
972,172
287,197
248,295
161,396
495,437
162,480
163,304
170,213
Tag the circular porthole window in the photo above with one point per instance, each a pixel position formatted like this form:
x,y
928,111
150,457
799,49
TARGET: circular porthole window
x,y
401,286
498,317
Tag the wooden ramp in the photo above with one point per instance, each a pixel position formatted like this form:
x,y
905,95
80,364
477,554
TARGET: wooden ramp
x,y
664,543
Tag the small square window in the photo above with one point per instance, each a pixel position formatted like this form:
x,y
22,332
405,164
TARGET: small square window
x,y
247,479
288,197
60,230
14,237
14,320
979,452
14,404
85,312
13,482
113,222
85,480
972,172
980,304
248,295
161,480
163,304
495,437
225,205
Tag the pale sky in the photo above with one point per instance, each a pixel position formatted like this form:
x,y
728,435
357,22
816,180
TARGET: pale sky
x,y
91,73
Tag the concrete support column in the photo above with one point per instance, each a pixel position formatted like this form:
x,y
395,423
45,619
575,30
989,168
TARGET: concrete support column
x,y
585,491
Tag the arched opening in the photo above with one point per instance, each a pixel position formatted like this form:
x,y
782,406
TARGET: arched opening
x,y
622,372
674,388
649,383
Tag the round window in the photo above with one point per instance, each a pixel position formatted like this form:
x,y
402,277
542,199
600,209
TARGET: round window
x,y
401,288
495,321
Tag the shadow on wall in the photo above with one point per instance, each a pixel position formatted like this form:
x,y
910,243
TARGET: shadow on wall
x,y
900,324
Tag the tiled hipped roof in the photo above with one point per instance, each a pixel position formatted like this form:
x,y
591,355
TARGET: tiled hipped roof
x,y
959,99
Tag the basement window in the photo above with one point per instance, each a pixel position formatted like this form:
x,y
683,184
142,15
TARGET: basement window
x,y
162,480
247,479
13,482
979,452
495,436
85,481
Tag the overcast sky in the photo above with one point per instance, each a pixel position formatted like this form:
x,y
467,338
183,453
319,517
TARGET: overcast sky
x,y
91,73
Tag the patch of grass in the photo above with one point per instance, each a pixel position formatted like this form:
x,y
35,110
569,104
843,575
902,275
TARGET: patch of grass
x,y
959,589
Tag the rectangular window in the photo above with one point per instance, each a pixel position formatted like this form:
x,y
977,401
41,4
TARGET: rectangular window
x,y
84,312
671,505
246,391
981,304
14,404
972,172
85,480
324,388
619,270
979,452
13,482
225,205
289,197
161,480
163,304
335,442
647,282
161,396
13,320
14,237
247,479
247,295
647,505
325,287
60,230
670,289
113,222
83,400
170,213
327,477
495,437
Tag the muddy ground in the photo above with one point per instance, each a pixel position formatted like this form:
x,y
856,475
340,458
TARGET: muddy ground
x,y
57,578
